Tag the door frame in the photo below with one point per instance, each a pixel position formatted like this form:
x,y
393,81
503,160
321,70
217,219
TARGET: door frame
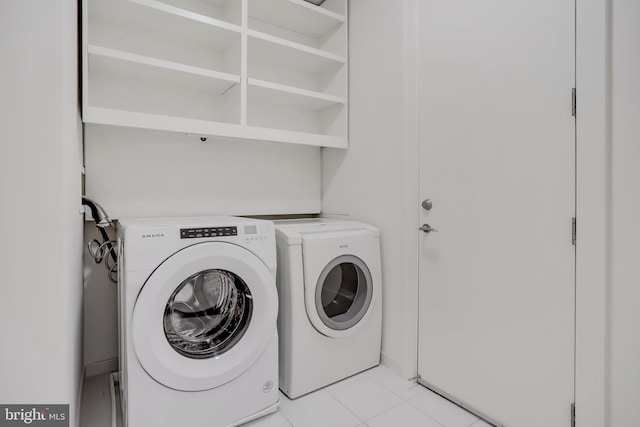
x,y
592,212
593,81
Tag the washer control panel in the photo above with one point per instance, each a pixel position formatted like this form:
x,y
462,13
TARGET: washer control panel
x,y
199,232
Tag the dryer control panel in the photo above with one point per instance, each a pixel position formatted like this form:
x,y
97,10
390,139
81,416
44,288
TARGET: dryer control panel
x,y
199,232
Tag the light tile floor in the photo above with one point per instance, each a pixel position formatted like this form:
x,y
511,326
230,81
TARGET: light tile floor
x,y
374,398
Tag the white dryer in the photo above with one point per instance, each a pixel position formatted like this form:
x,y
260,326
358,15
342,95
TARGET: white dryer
x,y
197,307
329,285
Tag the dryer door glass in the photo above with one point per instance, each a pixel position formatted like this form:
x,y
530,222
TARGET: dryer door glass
x,y
343,293
207,314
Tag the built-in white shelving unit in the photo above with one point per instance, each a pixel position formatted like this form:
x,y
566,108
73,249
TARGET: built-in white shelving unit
x,y
271,70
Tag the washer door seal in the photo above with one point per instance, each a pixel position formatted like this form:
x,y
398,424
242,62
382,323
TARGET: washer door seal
x,y
343,292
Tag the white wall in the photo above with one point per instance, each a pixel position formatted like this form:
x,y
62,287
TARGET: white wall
x,y
40,186
369,181
138,173
623,293
100,312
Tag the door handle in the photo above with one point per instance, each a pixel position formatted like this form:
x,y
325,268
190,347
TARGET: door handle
x,y
427,228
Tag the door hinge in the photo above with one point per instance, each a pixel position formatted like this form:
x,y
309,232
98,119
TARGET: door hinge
x,y
573,101
573,231
573,415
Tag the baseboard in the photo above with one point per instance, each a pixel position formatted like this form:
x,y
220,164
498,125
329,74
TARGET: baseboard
x,y
390,362
101,368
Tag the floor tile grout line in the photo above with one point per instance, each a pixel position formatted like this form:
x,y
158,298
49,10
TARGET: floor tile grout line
x,y
462,408
403,398
428,415
282,412
345,407
367,375
418,409
285,417
394,406
438,421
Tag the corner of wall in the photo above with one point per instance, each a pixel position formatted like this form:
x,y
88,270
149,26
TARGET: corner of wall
x,y
375,179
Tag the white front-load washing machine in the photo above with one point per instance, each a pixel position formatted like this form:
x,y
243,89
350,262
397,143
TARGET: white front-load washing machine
x,y
197,308
329,285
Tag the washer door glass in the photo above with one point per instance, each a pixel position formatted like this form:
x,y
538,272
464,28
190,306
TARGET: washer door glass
x,y
208,314
343,292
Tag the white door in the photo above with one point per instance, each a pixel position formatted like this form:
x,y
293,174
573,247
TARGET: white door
x,y
497,156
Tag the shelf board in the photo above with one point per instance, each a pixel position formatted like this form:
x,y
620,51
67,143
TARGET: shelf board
x,y
160,63
130,66
212,8
296,15
132,119
218,3
274,93
264,48
158,20
301,49
183,13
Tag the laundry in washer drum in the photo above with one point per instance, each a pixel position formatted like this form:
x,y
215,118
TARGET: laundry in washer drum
x,y
207,314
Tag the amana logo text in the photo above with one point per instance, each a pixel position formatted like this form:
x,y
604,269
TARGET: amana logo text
x,y
153,235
